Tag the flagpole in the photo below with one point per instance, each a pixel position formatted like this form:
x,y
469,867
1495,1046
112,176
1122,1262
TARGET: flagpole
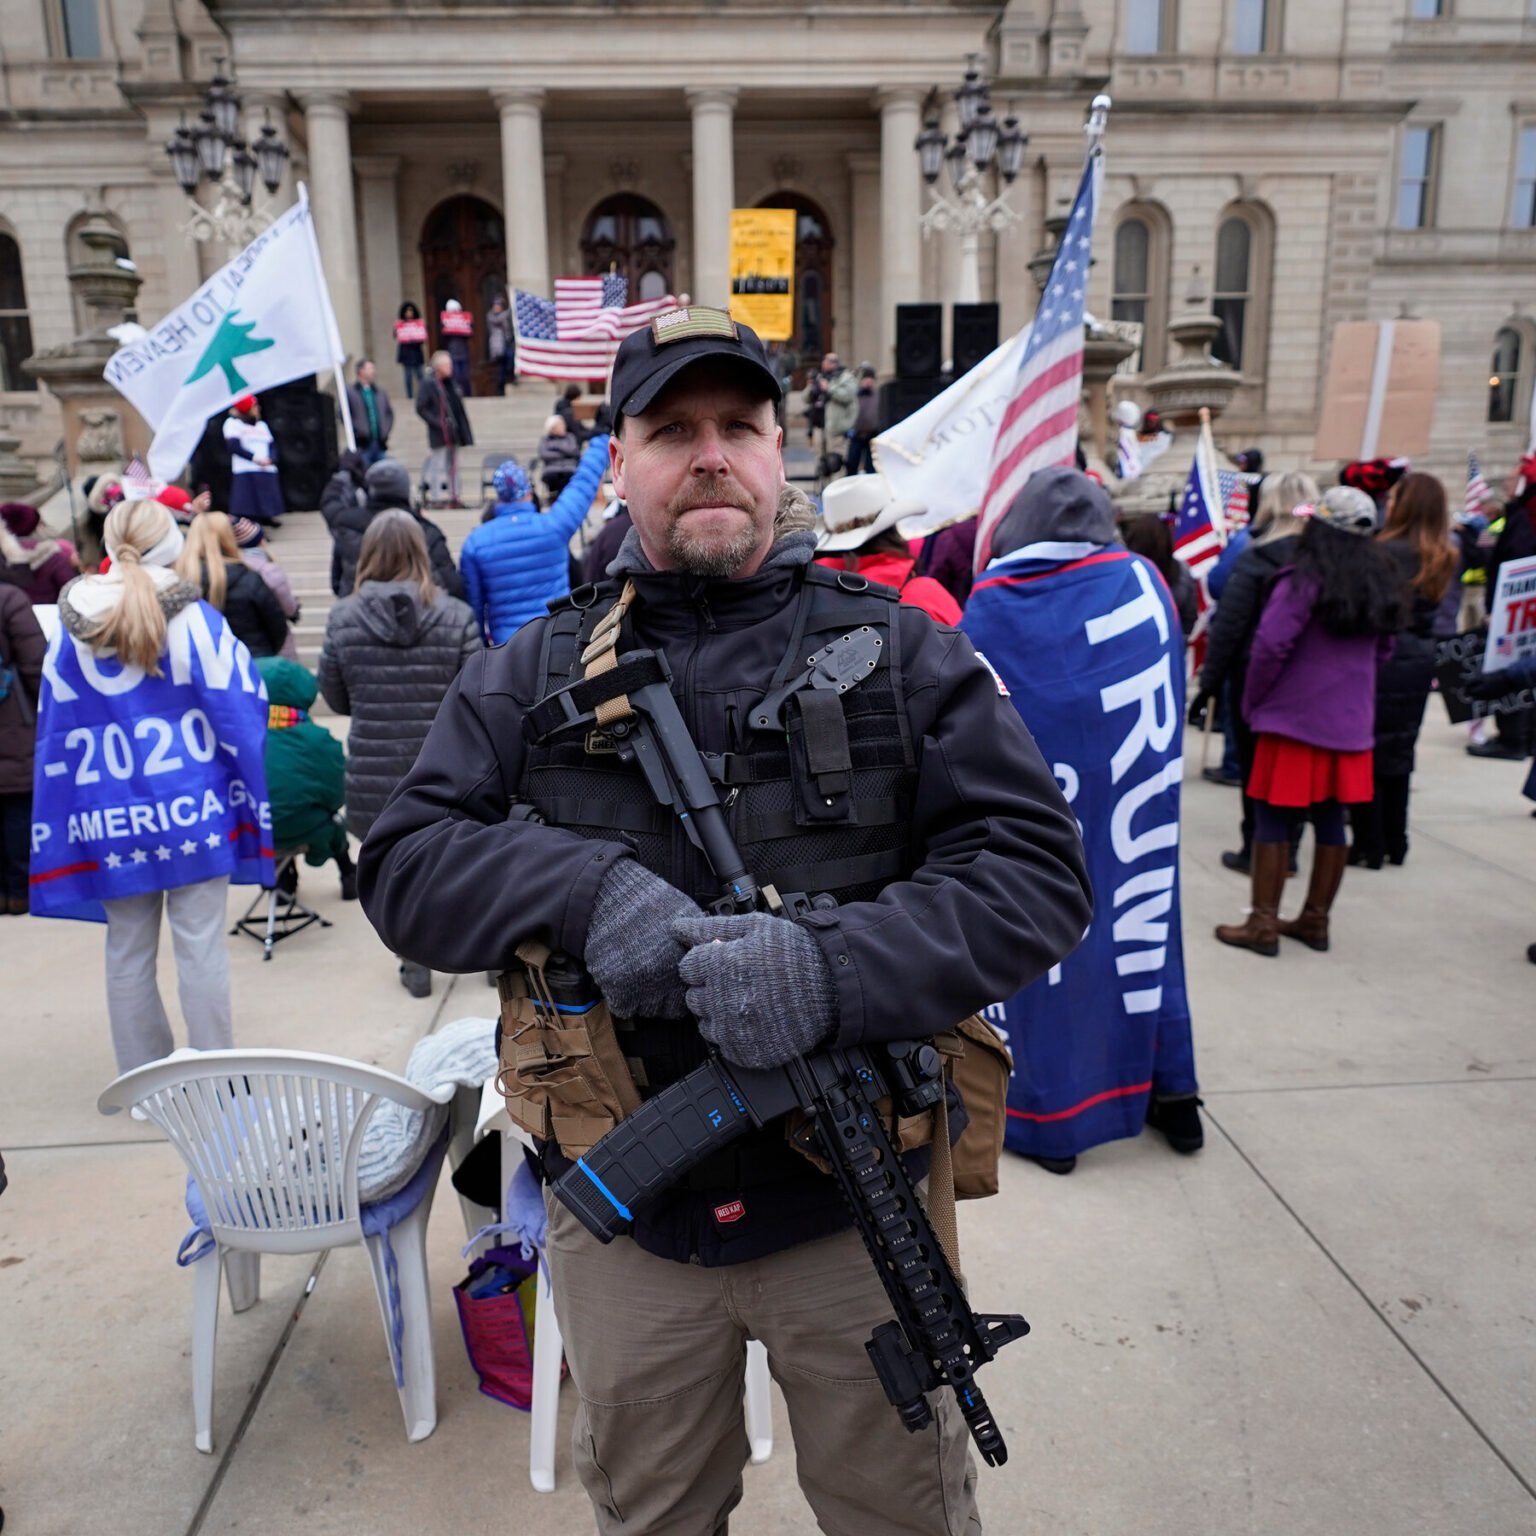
x,y
1207,451
338,362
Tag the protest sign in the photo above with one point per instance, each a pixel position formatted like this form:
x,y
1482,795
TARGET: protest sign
x,y
763,270
1458,660
1512,616
1379,400
259,321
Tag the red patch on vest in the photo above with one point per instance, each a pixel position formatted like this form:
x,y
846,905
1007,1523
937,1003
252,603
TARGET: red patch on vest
x,y
733,1210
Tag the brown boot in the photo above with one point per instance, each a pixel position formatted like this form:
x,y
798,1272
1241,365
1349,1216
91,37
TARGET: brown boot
x,y
1260,933
1311,925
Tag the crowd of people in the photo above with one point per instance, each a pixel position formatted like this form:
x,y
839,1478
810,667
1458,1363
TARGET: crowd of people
x,y
1004,786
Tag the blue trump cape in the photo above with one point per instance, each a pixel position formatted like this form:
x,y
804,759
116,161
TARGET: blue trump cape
x,y
146,783
1091,651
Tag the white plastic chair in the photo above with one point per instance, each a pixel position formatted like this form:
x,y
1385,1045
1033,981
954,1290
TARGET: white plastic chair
x,y
548,1347
272,1140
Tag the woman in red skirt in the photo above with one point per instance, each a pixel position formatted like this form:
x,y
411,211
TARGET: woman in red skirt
x,y
1310,700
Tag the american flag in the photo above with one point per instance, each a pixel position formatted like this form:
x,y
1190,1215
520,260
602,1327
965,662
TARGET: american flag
x,y
1234,497
138,483
1477,488
1039,427
1199,530
575,334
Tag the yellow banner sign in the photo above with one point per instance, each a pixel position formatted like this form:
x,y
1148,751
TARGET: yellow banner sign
x,y
763,270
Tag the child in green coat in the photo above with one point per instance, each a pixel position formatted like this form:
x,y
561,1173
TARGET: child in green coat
x,y
306,772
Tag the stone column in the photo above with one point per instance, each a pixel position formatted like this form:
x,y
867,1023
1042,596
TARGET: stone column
x,y
327,126
861,339
901,263
377,179
714,193
522,174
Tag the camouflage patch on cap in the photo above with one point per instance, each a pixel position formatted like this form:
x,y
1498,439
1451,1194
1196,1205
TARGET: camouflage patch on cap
x,y
689,324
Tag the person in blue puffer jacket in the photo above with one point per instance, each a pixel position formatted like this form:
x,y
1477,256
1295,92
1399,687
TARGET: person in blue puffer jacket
x,y
517,561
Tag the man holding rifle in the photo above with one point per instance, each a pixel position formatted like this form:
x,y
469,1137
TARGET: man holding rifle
x,y
937,868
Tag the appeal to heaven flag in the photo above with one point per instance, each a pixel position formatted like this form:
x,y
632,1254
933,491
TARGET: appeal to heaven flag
x,y
936,460
261,320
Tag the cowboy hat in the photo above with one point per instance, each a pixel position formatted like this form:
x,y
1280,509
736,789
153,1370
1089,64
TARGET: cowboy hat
x,y
856,508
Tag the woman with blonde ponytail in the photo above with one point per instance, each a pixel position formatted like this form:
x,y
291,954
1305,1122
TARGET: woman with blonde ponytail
x,y
149,792
211,562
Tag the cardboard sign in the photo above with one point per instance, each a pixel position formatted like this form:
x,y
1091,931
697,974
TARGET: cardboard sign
x,y
1379,401
1459,660
763,270
1512,616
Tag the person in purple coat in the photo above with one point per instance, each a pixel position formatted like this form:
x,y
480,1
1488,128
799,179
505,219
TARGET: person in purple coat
x,y
1310,700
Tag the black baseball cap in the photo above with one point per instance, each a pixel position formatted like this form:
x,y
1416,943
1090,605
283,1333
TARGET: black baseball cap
x,y
650,358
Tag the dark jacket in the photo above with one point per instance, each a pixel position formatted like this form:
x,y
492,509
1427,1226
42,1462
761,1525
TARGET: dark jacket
x,y
349,519
441,406
381,403
1516,539
1305,683
251,609
46,573
1237,614
517,563
948,556
605,547
387,661
1185,592
559,454
574,427
1402,685
21,648
995,889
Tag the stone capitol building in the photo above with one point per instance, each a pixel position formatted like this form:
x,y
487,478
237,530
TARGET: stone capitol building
x,y
1288,164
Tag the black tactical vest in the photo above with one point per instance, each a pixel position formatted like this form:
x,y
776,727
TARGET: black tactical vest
x,y
820,806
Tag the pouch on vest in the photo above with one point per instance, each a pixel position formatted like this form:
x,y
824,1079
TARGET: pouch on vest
x,y
562,1072
979,1065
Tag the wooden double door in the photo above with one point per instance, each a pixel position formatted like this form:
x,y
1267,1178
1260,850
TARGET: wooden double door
x,y
464,257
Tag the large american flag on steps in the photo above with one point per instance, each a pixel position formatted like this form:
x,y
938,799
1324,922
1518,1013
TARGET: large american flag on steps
x,y
575,334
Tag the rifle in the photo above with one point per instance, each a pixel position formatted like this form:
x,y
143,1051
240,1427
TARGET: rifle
x,y
935,1339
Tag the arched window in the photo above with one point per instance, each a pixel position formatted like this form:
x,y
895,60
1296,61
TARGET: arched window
x,y
15,326
629,234
1141,279
1509,376
1240,300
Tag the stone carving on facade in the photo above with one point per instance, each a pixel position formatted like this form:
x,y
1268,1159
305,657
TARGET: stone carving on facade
x,y
622,172
101,439
786,169
462,173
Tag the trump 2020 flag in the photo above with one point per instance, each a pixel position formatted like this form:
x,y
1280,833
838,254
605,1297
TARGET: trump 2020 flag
x,y
258,322
168,792
1090,649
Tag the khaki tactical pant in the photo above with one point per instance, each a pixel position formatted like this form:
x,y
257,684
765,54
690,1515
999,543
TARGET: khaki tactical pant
x,y
658,1353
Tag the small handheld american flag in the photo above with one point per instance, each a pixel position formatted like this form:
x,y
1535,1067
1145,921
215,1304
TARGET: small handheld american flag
x,y
1477,489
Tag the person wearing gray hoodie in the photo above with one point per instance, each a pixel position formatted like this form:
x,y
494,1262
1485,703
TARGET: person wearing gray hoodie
x,y
391,650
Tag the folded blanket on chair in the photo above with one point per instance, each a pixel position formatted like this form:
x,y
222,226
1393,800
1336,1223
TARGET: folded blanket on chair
x,y
460,1054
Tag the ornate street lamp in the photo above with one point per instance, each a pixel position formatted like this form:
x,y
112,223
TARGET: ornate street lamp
x,y
981,143
216,151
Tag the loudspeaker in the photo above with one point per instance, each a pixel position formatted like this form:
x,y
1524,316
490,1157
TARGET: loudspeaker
x,y
900,397
919,341
303,422
975,335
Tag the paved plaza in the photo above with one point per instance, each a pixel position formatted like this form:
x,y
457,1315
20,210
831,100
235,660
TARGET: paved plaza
x,y
1322,1324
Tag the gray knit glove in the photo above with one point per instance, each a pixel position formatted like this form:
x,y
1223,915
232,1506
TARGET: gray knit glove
x,y
759,986
632,951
